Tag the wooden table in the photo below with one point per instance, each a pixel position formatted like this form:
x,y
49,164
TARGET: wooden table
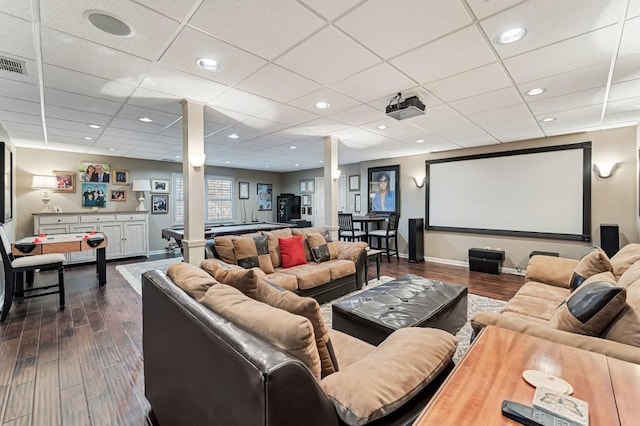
x,y
66,243
364,221
492,372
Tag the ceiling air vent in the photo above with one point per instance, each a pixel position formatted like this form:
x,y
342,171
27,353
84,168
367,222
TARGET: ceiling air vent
x,y
12,65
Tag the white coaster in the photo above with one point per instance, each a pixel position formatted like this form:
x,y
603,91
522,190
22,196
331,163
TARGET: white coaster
x,y
537,378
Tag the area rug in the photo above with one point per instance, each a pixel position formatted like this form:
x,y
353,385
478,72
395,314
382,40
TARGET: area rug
x,y
132,273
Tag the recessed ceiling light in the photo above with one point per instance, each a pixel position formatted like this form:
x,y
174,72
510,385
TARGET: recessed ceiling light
x,y
296,165
233,136
209,64
382,127
94,126
145,119
87,138
420,141
293,147
511,36
535,92
178,156
323,105
227,162
111,149
267,166
109,24
321,161
548,119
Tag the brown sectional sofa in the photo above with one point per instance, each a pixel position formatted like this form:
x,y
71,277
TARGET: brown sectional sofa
x,y
542,305
251,353
323,281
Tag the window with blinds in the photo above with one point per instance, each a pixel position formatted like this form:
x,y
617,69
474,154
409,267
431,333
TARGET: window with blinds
x,y
218,193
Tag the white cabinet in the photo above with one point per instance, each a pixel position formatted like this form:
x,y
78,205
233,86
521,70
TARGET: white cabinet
x,y
127,232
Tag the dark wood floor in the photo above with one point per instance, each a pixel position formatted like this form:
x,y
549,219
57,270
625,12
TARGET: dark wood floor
x,y
83,365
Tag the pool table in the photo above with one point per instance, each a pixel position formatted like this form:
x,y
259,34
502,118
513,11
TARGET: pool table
x,y
234,229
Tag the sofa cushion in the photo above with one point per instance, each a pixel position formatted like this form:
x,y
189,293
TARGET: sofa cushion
x,y
193,280
322,247
625,328
536,307
555,271
274,250
624,258
310,275
281,279
349,349
291,251
212,265
340,268
390,375
591,307
245,280
289,332
253,252
308,308
224,248
594,262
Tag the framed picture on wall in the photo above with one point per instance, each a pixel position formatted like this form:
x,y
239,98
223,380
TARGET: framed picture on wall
x,y
94,194
243,190
358,203
117,195
95,172
307,186
120,177
384,189
159,186
354,182
65,181
306,200
159,204
265,196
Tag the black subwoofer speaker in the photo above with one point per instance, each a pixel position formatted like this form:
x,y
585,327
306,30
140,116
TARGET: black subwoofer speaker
x,y
609,238
416,240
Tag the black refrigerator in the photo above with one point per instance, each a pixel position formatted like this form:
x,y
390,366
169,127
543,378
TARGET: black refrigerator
x,y
288,207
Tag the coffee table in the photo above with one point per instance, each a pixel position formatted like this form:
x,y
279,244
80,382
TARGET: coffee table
x,y
492,371
408,301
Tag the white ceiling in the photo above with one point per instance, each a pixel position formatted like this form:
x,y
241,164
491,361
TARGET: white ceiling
x,y
282,56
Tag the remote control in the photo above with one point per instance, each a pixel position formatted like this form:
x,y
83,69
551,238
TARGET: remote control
x,y
530,416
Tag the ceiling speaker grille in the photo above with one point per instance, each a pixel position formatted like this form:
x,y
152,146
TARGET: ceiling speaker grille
x,y
12,65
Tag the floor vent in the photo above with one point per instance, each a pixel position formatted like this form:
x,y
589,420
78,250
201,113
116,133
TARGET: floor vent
x,y
12,65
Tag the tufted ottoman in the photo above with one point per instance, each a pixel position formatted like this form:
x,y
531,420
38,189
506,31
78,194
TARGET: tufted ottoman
x,y
408,301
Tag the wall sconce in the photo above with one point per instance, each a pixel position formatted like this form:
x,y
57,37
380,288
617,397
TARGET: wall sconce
x,y
197,160
420,181
141,185
335,174
605,170
44,182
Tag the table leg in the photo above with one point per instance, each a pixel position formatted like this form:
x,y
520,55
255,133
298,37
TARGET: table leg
x,y
101,265
378,265
366,270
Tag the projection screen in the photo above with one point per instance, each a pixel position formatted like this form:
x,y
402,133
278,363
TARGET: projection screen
x,y
539,192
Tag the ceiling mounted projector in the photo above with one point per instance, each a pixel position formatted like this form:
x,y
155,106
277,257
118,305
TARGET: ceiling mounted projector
x,y
400,110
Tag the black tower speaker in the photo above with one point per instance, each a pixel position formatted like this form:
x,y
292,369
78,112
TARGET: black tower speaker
x,y
609,239
416,240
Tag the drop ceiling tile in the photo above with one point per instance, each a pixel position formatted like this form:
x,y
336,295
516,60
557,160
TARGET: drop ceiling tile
x,y
17,105
244,133
627,68
27,139
579,52
330,9
349,135
75,135
514,135
151,31
320,127
223,116
84,84
175,131
21,9
242,102
435,114
592,112
488,101
628,105
19,117
359,115
16,37
634,8
483,8
176,9
166,140
624,119
569,101
630,37
72,125
375,82
338,102
277,83
67,147
501,115
546,22
515,125
568,82
84,103
131,112
274,26
404,132
569,125
328,56
22,127
126,134
261,125
435,61
135,126
192,45
19,90
80,55
391,28
471,83
210,128
150,99
181,84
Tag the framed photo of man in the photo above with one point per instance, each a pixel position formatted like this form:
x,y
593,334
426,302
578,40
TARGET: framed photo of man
x,y
264,196
159,204
159,186
95,172
384,189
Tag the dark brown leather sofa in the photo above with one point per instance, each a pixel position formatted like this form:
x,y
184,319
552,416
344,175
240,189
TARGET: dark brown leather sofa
x,y
201,369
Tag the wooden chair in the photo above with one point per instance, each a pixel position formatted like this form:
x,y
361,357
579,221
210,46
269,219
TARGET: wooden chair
x,y
388,234
15,268
347,231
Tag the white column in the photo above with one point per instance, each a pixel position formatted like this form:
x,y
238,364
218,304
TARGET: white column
x,y
193,143
331,185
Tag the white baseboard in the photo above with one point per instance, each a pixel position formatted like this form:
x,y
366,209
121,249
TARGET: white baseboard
x,y
511,271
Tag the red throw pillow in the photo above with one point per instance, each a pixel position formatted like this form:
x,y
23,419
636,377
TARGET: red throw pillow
x,y
292,251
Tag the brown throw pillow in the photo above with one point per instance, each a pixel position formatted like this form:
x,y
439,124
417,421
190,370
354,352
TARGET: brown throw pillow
x,y
245,280
322,249
212,265
623,259
193,280
594,262
591,307
253,253
308,308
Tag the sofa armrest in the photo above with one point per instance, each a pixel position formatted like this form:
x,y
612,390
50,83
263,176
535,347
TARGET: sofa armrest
x,y
551,270
592,344
349,250
390,375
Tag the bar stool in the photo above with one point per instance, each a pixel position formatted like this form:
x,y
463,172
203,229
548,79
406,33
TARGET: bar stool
x,y
347,230
388,234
